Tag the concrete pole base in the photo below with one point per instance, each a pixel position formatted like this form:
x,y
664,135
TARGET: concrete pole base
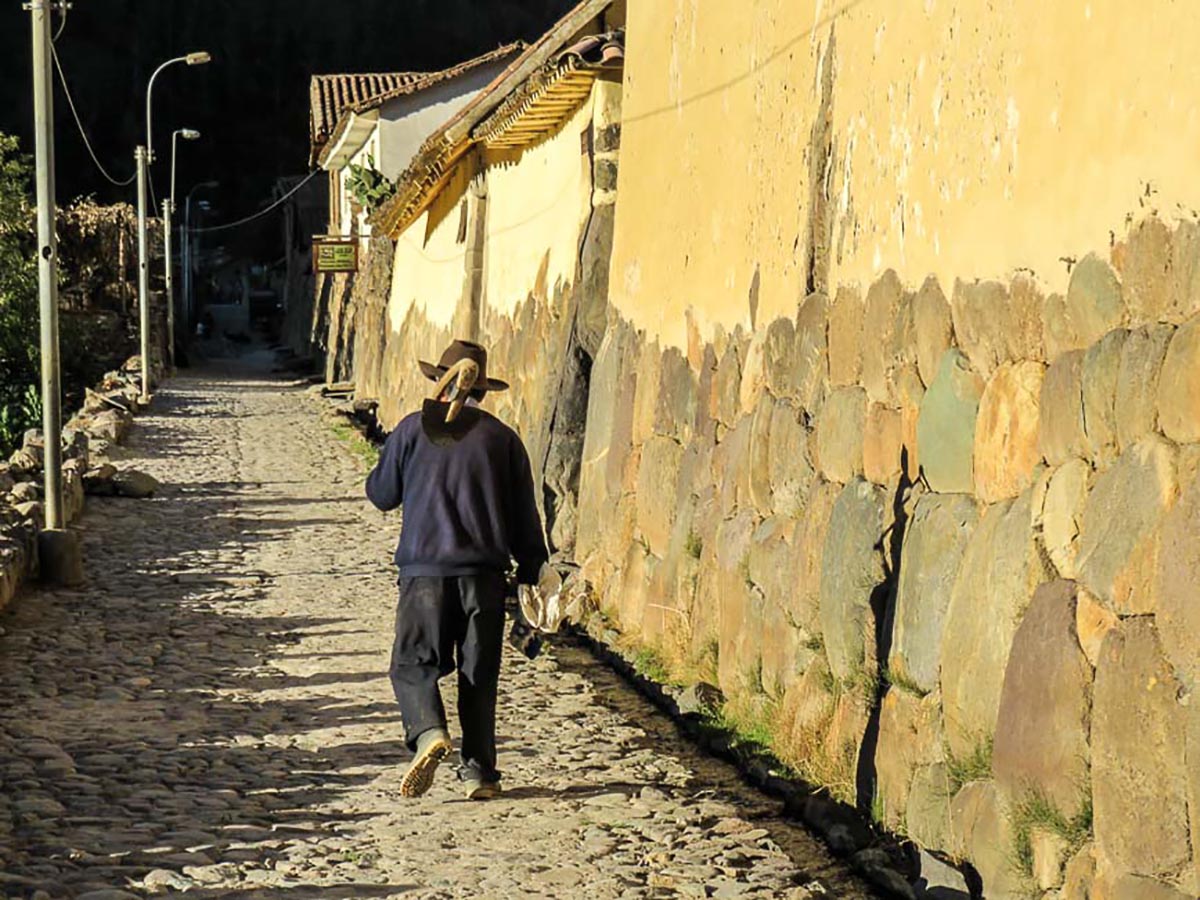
x,y
60,557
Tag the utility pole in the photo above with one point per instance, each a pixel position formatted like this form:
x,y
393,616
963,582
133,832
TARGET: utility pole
x,y
168,209
58,548
140,155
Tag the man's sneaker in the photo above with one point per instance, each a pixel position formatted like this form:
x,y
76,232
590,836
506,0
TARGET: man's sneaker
x,y
478,789
432,747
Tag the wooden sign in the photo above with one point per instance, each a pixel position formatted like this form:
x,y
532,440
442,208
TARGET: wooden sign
x,y
335,256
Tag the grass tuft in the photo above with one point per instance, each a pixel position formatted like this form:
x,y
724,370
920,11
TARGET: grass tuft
x,y
649,663
1035,811
693,545
366,452
898,679
975,766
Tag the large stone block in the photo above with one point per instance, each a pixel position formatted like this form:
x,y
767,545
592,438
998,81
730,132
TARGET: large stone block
x,y
883,443
1080,874
1185,272
786,648
1118,536
934,543
758,466
675,408
649,383
927,817
779,358
727,386
1111,885
739,628
1058,336
910,393
983,834
1042,728
1062,514
1101,370
1000,570
1094,304
840,434
810,554
1177,586
731,467
1179,385
804,716
1146,271
789,468
1006,431
1139,772
946,425
883,312
658,479
932,328
910,738
1061,432
1026,307
984,320
1136,402
851,570
812,353
846,337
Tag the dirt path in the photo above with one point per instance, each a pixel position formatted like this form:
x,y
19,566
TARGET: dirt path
x,y
211,715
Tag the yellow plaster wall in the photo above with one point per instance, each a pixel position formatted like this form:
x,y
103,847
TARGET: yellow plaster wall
x,y
428,271
537,202
970,139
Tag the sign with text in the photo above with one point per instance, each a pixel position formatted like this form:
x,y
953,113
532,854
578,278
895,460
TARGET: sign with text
x,y
335,256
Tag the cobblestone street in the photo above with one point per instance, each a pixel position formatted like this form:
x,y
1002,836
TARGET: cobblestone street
x,y
211,714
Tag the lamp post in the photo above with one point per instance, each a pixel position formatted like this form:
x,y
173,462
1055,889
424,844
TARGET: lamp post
x,y
186,245
188,134
58,548
144,156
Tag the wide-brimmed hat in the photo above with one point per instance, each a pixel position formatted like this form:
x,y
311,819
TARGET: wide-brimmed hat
x,y
457,351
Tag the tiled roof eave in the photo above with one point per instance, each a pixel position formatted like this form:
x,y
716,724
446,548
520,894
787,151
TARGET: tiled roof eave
x,y
550,99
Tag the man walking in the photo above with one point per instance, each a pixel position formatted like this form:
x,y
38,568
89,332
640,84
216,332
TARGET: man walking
x,y
464,481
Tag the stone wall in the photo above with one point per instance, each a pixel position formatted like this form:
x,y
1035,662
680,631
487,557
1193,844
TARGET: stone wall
x,y
893,429
943,547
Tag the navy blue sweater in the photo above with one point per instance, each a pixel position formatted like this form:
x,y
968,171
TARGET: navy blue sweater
x,y
469,506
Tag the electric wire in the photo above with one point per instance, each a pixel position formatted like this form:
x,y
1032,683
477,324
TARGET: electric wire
x,y
63,24
311,175
62,79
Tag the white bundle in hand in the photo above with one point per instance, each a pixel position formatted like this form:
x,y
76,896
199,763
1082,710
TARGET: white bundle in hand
x,y
550,602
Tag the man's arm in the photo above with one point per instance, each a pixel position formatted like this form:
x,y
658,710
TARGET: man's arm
x,y
385,484
528,543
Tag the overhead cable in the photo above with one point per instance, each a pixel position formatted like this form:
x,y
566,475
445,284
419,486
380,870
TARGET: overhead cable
x,y
311,175
62,79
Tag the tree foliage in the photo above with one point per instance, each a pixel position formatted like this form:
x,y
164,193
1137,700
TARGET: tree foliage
x,y
19,407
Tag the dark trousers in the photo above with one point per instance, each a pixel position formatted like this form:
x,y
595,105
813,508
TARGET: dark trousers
x,y
443,624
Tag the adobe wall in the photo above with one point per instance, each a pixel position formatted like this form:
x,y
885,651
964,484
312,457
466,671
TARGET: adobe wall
x,y
512,252
894,429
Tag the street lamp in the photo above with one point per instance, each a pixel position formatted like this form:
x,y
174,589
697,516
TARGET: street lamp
x,y
186,245
188,134
144,155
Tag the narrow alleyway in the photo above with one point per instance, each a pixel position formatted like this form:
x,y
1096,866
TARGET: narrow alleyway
x,y
211,714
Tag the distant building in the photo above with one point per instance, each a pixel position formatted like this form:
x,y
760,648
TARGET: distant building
x,y
377,122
